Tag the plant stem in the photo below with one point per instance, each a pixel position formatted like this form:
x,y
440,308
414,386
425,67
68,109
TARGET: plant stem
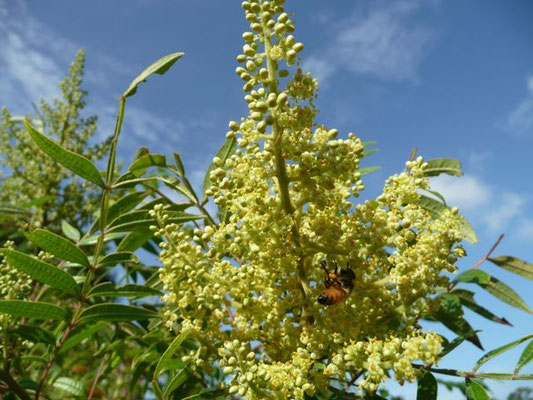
x,y
281,170
62,341
96,377
13,385
481,260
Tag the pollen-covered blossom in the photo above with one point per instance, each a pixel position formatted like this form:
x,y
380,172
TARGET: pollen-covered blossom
x,y
246,288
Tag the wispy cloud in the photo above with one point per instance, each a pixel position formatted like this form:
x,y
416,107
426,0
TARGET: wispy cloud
x,y
520,120
467,192
484,205
34,58
384,40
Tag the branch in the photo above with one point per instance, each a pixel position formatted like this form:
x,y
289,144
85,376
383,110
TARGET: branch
x,y
481,260
13,385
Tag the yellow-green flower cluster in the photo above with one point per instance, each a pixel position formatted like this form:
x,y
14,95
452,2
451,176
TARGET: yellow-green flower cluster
x,y
247,288
14,285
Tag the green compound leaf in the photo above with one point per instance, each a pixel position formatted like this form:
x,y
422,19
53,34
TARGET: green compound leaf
x,y
169,352
436,209
107,289
443,166
225,152
32,309
70,160
159,67
35,334
71,386
139,166
58,246
495,287
514,265
427,387
496,352
467,299
525,358
43,272
70,232
116,312
474,391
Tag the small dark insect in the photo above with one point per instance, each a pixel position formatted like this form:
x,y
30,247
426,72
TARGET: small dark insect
x,y
338,285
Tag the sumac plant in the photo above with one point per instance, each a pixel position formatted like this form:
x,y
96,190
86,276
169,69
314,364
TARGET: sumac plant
x,y
232,312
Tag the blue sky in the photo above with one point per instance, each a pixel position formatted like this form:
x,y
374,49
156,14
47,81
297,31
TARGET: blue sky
x,y
454,78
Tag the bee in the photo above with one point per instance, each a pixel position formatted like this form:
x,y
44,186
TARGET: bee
x,y
338,285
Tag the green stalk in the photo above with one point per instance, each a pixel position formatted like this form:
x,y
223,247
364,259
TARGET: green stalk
x,y
281,169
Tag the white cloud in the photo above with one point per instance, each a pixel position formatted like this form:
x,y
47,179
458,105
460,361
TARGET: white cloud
x,y
381,41
482,204
520,120
34,58
525,229
467,192
498,216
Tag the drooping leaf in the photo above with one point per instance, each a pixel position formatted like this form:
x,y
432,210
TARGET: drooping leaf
x,y
436,208
32,309
169,352
474,391
76,163
139,166
58,246
71,386
81,332
159,67
496,352
107,289
70,232
467,299
427,387
42,272
525,358
225,152
35,334
495,287
514,265
443,166
450,315
116,312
